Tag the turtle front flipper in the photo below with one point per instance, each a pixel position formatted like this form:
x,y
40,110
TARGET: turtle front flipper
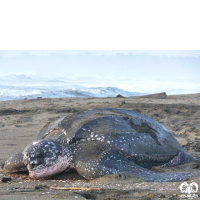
x,y
15,163
110,161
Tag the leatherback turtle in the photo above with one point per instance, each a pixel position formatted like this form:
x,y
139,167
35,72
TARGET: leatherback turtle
x,y
100,142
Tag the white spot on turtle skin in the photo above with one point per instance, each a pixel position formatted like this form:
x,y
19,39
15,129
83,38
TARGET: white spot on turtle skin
x,y
36,142
118,121
108,142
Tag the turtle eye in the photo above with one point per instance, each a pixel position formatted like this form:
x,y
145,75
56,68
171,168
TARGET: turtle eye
x,y
37,153
39,161
36,162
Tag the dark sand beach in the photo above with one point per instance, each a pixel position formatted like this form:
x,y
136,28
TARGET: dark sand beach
x,y
21,120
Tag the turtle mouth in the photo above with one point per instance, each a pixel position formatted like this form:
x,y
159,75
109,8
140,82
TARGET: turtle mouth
x,y
39,170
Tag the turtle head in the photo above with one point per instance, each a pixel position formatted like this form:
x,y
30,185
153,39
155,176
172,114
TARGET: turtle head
x,y
45,158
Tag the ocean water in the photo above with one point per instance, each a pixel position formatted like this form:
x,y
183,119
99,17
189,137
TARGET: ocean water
x,y
20,86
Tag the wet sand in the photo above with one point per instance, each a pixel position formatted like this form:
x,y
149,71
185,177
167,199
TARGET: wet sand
x,y
21,120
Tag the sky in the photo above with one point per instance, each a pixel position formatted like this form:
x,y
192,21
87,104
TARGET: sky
x,y
165,65
193,53
145,69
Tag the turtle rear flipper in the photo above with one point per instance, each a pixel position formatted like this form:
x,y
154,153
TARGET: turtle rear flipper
x,y
15,163
111,161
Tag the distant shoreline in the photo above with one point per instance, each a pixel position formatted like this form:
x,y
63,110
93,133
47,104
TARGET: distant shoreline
x,y
160,95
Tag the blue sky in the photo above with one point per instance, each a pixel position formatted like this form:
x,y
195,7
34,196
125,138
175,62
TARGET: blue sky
x,y
165,65
193,53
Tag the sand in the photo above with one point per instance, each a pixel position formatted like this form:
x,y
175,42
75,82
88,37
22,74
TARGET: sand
x,y
21,120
